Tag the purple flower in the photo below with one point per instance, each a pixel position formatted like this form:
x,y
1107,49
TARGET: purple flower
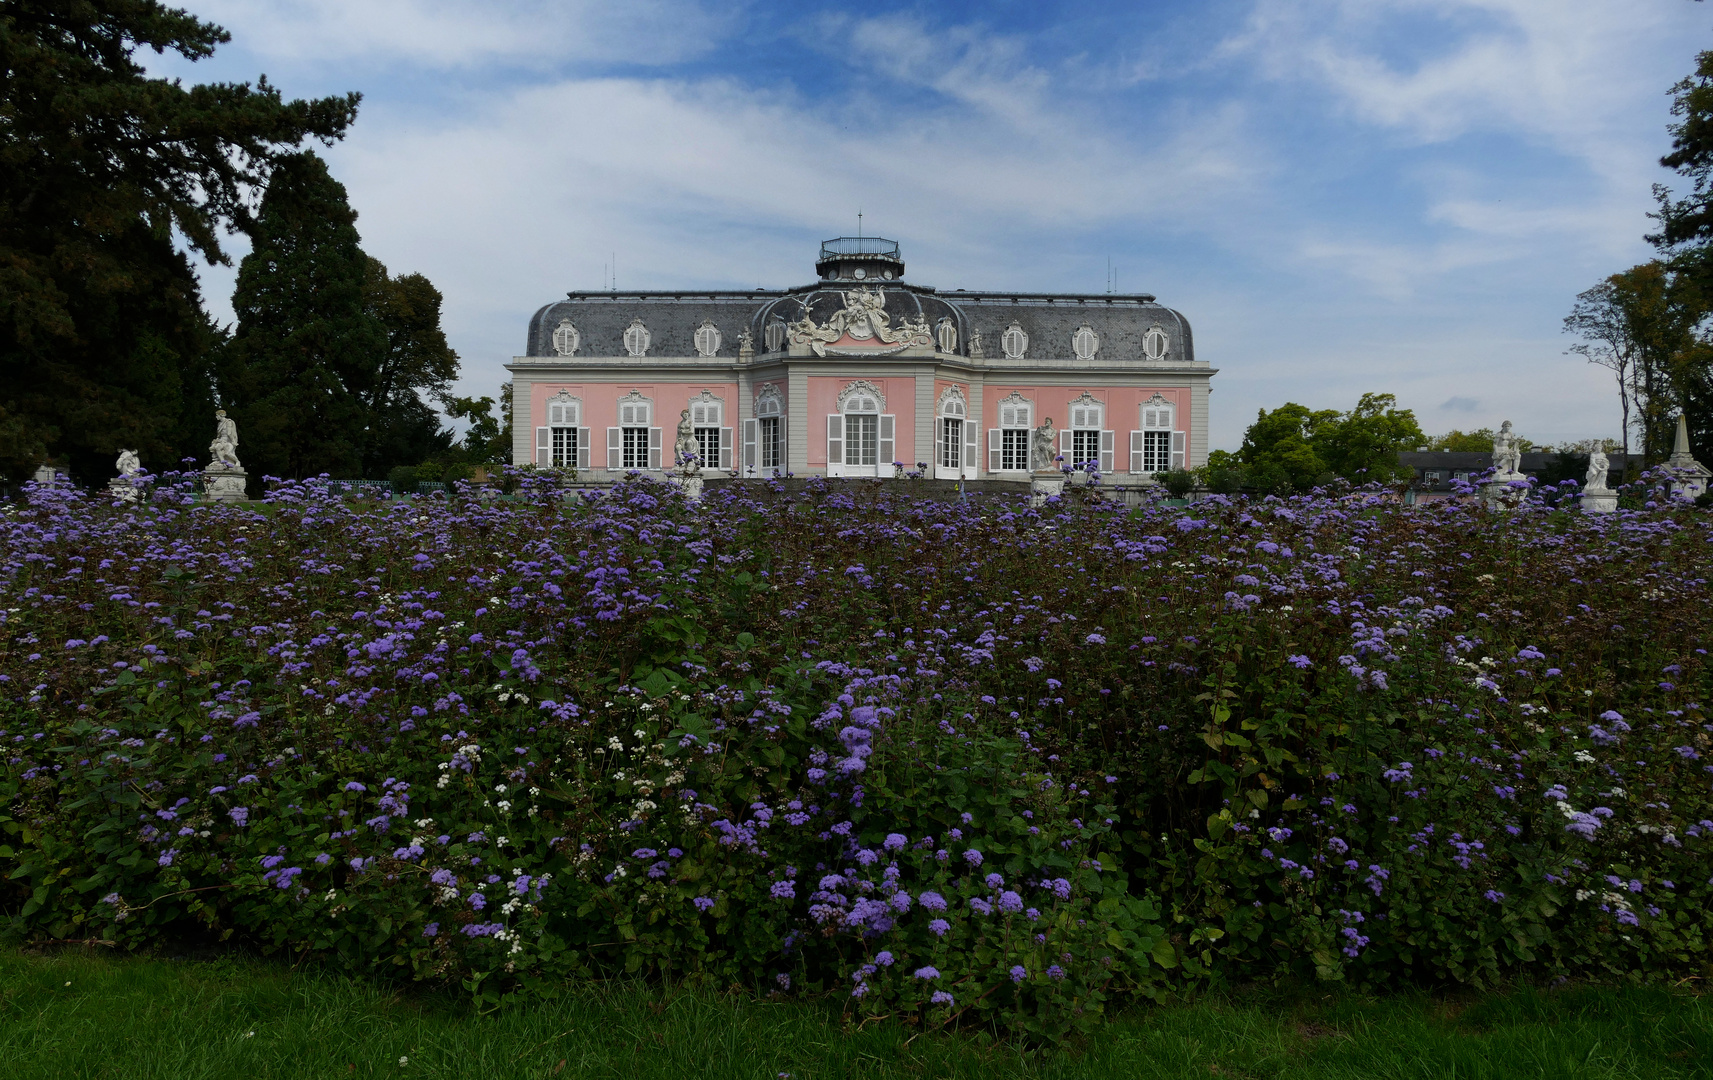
x,y
1010,902
928,972
895,842
938,927
240,815
1019,973
354,786
973,857
1055,972
941,998
478,901
884,958
932,901
980,906
431,929
1299,661
703,903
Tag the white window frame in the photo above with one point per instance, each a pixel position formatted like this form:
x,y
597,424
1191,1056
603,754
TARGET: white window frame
x,y
1085,343
764,434
954,437
566,338
561,443
1086,437
707,339
858,402
1008,444
634,443
1157,445
1155,343
713,439
636,338
1014,342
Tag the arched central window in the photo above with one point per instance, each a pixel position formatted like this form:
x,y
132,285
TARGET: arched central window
x,y
860,435
954,452
764,436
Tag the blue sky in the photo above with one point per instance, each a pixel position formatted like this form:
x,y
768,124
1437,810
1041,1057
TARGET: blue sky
x,y
1342,195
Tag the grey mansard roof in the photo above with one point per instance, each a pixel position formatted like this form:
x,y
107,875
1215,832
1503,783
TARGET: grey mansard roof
x,y
1049,320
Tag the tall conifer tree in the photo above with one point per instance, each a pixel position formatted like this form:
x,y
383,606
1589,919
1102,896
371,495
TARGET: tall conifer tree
x,y
103,343
305,347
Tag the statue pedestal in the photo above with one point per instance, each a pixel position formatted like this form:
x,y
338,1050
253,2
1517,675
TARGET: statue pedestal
x,y
1498,494
692,486
1599,501
225,485
1043,488
122,489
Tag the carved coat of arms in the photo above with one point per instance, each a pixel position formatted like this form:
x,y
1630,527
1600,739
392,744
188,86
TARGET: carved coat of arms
x,y
863,319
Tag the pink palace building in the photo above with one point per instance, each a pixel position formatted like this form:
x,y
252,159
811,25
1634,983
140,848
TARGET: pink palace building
x,y
856,373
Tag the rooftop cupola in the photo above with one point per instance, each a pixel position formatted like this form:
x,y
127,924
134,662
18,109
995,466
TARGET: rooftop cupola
x,y
859,258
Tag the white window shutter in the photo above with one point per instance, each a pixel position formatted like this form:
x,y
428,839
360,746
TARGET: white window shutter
x,y
884,451
835,445
543,446
750,427
583,448
993,450
615,449
1106,454
1136,452
970,467
784,447
1065,445
726,448
654,448
1177,449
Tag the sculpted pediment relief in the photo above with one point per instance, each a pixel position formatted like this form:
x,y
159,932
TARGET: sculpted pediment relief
x,y
861,328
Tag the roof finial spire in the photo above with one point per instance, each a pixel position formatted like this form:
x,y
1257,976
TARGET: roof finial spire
x,y
859,223
1682,445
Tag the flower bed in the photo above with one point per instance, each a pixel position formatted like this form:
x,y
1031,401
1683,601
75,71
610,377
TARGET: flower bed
x,y
952,760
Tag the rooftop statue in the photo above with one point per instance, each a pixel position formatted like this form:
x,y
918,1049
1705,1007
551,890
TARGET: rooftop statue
x,y
128,465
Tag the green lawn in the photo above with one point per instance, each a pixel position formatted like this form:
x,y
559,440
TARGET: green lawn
x,y
73,1015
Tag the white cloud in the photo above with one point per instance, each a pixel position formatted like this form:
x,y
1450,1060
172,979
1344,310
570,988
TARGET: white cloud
x,y
535,34
1469,165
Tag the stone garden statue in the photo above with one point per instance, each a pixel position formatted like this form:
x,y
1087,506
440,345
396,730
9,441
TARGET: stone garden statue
x,y
1043,447
128,465
686,444
1507,453
1597,467
223,451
